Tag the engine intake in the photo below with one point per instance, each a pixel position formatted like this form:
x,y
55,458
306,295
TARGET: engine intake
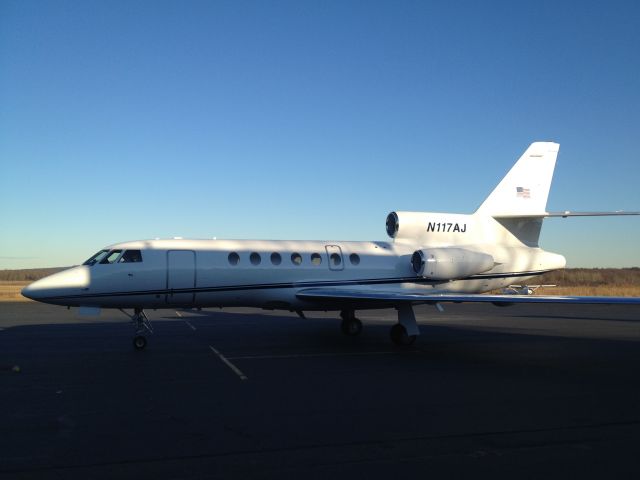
x,y
392,224
430,228
450,263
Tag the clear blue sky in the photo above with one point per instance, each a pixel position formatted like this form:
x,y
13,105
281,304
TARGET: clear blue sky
x,y
124,120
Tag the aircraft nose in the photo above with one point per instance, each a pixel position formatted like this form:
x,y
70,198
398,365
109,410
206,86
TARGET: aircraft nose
x,y
69,281
29,292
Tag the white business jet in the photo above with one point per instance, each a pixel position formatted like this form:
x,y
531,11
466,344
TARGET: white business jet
x,y
432,258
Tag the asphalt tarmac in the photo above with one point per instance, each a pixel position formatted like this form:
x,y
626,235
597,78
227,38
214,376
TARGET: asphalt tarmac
x,y
529,391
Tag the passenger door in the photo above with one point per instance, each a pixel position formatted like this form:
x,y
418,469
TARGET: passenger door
x,y
181,276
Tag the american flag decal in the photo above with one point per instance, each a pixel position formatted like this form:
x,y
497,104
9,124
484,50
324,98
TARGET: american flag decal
x,y
523,192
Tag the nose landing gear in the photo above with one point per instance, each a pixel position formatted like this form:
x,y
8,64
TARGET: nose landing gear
x,y
142,327
139,342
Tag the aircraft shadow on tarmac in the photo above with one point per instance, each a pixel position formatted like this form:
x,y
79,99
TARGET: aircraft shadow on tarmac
x,y
247,335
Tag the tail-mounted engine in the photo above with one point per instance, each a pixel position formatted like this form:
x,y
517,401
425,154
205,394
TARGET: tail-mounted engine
x,y
428,228
444,260
450,263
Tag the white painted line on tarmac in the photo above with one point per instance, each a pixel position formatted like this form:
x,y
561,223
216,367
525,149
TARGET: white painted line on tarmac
x,y
186,321
235,369
308,355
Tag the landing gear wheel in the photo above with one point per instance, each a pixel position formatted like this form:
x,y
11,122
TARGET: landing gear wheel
x,y
400,337
142,327
351,326
139,342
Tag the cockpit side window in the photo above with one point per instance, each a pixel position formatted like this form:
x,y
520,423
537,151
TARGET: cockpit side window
x,y
97,257
131,256
111,257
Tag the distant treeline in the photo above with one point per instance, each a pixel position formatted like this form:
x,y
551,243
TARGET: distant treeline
x,y
28,275
591,277
569,277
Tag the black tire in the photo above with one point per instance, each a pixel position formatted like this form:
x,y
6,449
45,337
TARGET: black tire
x,y
351,327
400,337
139,342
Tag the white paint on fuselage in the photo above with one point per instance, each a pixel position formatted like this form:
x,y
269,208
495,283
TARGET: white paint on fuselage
x,y
381,266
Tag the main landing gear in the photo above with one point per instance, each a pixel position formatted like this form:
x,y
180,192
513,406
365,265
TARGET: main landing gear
x,y
350,326
403,333
142,327
400,337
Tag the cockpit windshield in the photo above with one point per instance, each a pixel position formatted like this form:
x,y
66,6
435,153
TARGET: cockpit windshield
x,y
97,257
106,257
111,257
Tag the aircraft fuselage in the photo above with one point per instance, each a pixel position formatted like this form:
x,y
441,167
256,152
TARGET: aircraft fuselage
x,y
263,274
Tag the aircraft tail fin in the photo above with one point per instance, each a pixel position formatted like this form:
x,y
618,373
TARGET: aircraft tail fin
x,y
525,189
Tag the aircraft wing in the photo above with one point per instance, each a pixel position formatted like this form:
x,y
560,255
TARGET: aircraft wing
x,y
339,295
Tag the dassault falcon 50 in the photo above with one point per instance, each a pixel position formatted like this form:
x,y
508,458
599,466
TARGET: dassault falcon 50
x,y
432,258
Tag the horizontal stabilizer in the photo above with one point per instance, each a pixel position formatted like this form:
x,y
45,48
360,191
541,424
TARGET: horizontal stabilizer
x,y
568,213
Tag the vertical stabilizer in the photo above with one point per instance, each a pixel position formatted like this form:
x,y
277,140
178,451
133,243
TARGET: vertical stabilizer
x,y
525,189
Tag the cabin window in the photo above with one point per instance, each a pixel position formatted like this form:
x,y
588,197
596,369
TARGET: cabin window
x,y
335,259
234,258
276,259
254,258
296,258
354,258
131,256
96,258
111,257
316,259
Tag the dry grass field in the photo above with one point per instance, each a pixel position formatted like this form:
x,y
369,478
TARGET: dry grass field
x,y
597,291
10,291
605,282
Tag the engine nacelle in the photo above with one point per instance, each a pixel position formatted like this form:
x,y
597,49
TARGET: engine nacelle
x,y
450,263
437,229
